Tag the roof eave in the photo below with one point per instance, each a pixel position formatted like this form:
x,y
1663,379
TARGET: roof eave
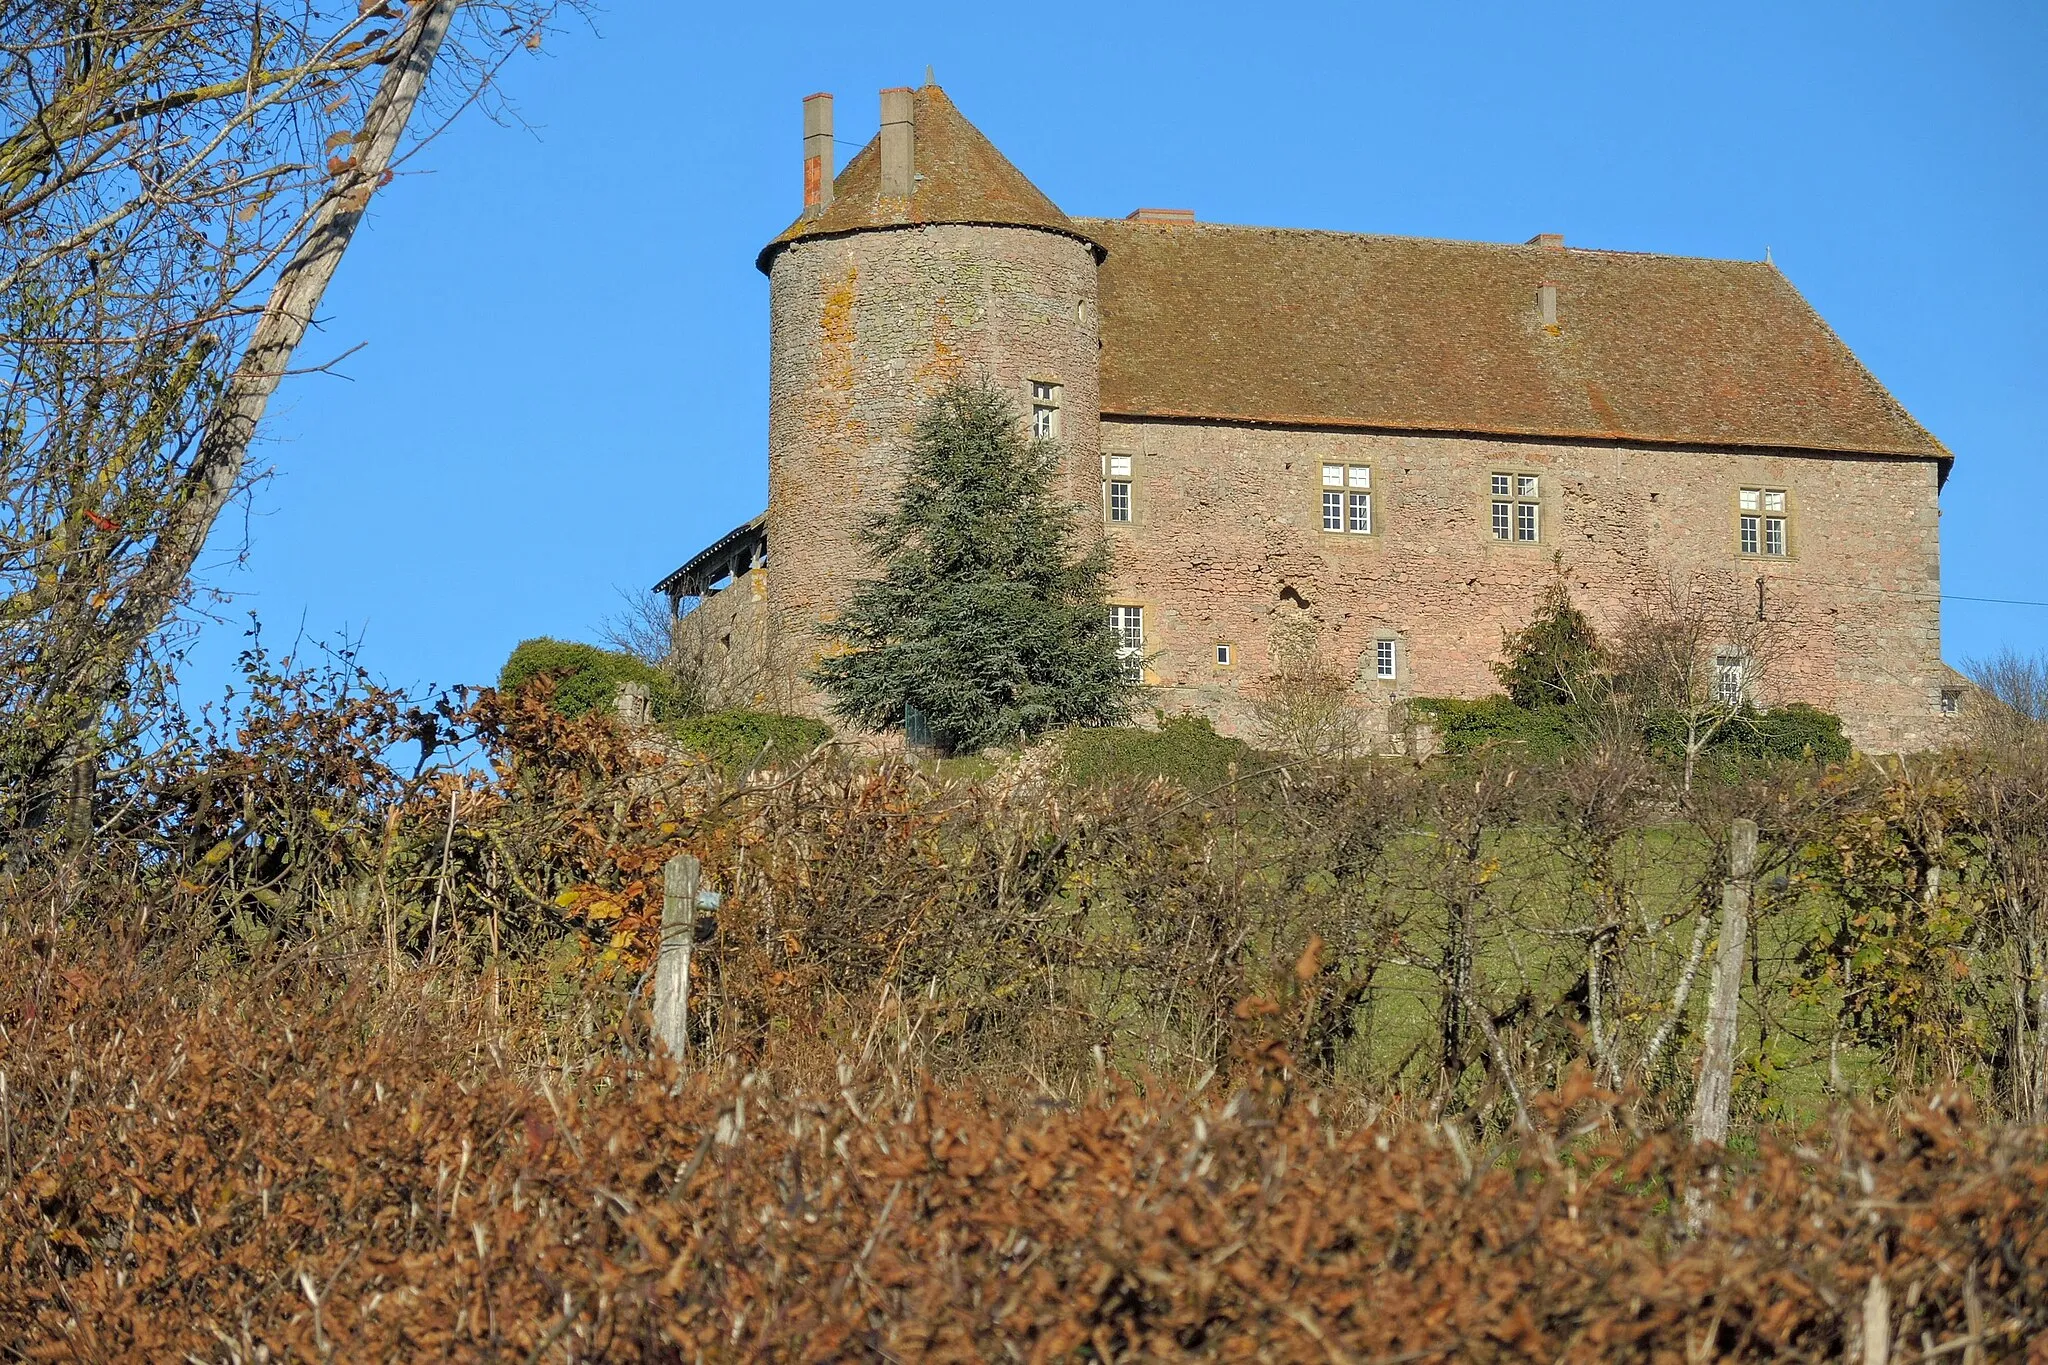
x,y
766,259
1938,453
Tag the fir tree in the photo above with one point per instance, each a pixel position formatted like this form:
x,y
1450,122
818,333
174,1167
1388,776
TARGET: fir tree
x,y
987,612
1548,661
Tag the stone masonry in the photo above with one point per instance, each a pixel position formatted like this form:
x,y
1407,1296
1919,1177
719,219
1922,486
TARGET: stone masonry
x,y
1229,366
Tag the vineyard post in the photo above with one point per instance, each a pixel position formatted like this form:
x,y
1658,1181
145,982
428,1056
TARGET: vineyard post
x,y
1717,1059
672,964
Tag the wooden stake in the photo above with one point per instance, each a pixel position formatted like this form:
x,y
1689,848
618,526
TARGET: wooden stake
x,y
1717,1059
672,965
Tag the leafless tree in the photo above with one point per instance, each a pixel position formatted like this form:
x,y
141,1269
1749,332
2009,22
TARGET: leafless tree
x,y
1693,651
179,180
1303,705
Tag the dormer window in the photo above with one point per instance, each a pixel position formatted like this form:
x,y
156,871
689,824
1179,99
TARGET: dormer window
x,y
1045,410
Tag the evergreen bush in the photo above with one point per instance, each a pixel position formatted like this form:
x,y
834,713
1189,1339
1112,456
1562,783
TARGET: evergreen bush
x,y
987,612
587,677
1185,749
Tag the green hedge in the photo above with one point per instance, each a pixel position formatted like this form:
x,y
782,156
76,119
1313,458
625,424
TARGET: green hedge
x,y
1794,733
587,678
1186,749
1790,734
1463,727
739,740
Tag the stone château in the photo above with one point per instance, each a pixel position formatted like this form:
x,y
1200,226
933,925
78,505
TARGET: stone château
x,y
1387,443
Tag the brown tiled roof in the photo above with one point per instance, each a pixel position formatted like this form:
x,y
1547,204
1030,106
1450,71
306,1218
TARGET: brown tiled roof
x,y
1322,328
961,178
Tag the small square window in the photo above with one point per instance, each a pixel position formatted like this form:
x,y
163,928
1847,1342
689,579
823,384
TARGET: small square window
x,y
1383,658
1333,476
1774,500
1951,700
1752,500
1361,476
1222,656
1119,466
1502,485
1525,485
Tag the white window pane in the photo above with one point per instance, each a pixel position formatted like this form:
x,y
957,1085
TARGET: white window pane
x,y
1361,476
1501,486
1749,535
1119,466
1333,476
1119,501
1361,513
1751,499
1774,500
1774,535
1384,658
1525,486
1223,654
1500,520
1333,511
1525,521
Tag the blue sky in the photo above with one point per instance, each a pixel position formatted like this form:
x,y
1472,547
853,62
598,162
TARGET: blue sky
x,y
562,387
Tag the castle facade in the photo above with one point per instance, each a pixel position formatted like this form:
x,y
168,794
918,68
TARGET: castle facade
x,y
1385,445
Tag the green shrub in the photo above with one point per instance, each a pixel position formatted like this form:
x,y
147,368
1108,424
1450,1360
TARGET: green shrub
x,y
587,678
739,740
1797,733
1186,749
1463,727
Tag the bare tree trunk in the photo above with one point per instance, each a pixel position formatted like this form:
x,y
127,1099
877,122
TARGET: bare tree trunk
x,y
216,469
1717,1061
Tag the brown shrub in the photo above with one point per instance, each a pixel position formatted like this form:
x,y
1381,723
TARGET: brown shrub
x,y
273,1166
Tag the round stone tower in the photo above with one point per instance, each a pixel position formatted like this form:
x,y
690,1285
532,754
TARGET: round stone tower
x,y
930,258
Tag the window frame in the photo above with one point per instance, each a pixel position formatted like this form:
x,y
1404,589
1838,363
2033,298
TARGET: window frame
x,y
1123,617
1043,399
1758,528
1347,503
1226,657
1386,659
1112,480
1515,503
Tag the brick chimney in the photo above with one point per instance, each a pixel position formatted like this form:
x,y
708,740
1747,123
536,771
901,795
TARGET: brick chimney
x,y
899,144
817,154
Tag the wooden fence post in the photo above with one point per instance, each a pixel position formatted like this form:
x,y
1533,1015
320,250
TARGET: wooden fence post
x,y
672,966
1717,1059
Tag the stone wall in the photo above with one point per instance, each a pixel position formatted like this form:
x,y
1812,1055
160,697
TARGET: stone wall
x,y
726,643
1226,546
863,329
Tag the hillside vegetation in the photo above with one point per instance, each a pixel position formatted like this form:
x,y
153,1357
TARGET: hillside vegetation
x,y
328,1037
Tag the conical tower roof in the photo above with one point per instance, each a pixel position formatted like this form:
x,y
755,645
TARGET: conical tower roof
x,y
961,178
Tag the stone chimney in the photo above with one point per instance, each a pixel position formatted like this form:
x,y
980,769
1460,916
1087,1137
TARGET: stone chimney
x,y
1546,304
817,154
899,144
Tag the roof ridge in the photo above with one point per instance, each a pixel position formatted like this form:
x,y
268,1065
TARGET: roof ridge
x,y
1142,225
